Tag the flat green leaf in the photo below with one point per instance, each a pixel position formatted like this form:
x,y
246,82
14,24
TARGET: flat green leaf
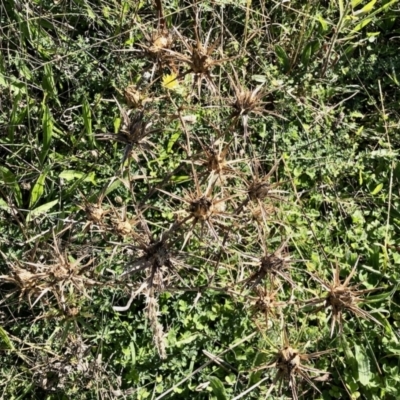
x,y
282,58
218,388
70,174
355,3
260,359
117,124
186,340
259,78
18,114
37,190
112,187
9,179
174,137
377,189
48,81
47,131
4,205
362,24
322,21
368,19
5,340
41,210
309,50
364,371
367,8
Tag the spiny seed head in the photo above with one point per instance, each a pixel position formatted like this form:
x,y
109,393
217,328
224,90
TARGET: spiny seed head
x,y
160,40
245,102
264,304
201,62
258,190
215,162
134,97
123,228
95,212
340,297
59,271
158,254
271,263
288,360
201,208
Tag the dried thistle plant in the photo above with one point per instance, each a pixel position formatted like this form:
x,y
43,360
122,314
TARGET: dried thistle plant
x,y
135,97
289,363
213,158
159,40
247,102
156,257
203,209
258,190
94,211
158,261
270,266
61,277
198,58
266,303
133,133
341,297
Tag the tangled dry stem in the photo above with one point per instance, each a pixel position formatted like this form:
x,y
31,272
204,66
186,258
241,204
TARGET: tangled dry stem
x,y
152,312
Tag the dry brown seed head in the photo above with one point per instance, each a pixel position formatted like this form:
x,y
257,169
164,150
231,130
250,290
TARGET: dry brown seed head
x,y
123,228
258,190
95,212
160,40
264,303
215,160
266,299
23,276
340,298
72,312
245,102
271,263
288,360
134,97
201,62
201,208
158,254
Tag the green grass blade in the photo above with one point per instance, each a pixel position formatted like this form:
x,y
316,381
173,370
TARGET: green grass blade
x,y
47,132
87,120
37,190
5,340
218,388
